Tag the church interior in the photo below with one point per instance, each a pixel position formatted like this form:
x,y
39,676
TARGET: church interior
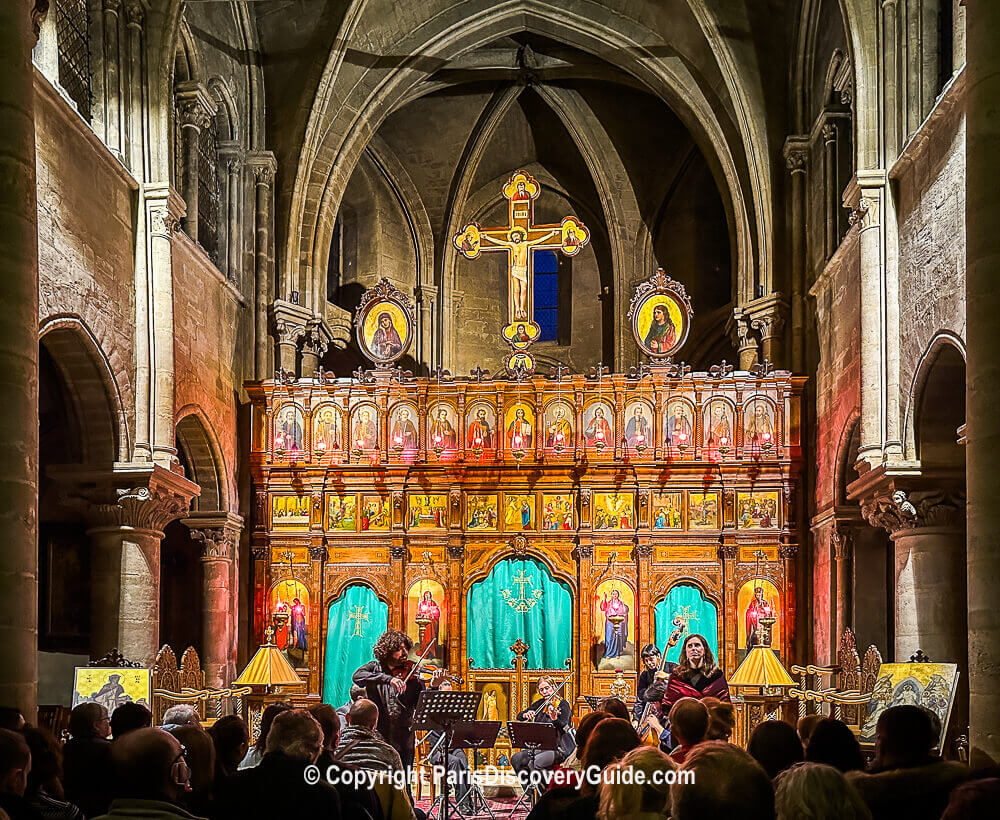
x,y
538,332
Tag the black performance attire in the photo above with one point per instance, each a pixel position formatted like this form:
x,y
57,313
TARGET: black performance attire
x,y
458,764
394,711
650,690
546,760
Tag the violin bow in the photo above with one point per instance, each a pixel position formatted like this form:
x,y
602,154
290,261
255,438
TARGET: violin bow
x,y
418,664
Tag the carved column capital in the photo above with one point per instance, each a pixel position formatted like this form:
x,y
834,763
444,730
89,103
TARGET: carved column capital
x,y
314,340
135,13
842,541
263,165
151,500
829,133
796,153
898,510
195,105
39,12
217,532
863,198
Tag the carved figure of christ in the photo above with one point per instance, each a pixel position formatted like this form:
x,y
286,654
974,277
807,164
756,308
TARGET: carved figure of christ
x,y
518,243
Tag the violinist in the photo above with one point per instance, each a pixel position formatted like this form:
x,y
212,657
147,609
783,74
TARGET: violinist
x,y
548,707
389,684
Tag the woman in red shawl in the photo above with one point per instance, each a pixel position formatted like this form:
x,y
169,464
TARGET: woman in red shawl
x,y
696,676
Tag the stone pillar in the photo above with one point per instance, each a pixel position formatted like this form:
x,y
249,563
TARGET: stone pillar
x,y
842,541
194,107
746,344
112,78
771,328
135,131
982,301
290,322
234,173
18,361
796,154
219,535
263,165
831,192
890,74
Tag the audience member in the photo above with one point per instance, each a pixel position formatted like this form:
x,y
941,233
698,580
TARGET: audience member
x,y
688,724
727,783
833,743
805,727
356,693
615,707
776,746
817,792
199,752
15,763
256,752
622,798
180,714
151,777
973,800
277,786
906,779
354,800
45,792
86,759
565,785
130,716
721,719
231,738
362,745
11,718
587,724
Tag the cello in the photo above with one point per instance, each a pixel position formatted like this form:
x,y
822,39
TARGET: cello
x,y
647,734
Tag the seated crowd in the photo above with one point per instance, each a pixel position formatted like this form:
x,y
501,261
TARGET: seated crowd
x,y
124,768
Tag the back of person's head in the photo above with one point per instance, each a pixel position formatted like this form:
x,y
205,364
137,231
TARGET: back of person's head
x,y
84,718
199,752
11,718
721,719
15,762
587,724
904,736
817,792
46,757
688,721
727,783
357,692
181,714
806,726
296,734
231,738
363,713
833,743
329,722
130,716
609,741
624,798
149,764
271,711
614,707
776,746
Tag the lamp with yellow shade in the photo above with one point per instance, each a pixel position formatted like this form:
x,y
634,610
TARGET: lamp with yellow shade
x,y
762,683
267,672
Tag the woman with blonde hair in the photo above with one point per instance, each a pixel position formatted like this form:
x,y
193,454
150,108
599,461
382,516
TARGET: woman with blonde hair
x,y
815,791
632,800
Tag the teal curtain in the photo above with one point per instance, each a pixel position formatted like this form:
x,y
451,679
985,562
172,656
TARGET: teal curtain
x,y
686,602
498,613
349,640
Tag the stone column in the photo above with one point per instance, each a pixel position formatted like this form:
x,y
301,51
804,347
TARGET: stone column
x,y
219,535
290,322
194,107
982,300
746,344
831,194
263,165
135,14
314,345
112,78
796,154
18,361
890,74
842,541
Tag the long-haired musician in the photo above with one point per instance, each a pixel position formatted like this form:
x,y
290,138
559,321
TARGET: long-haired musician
x,y
547,708
697,675
382,680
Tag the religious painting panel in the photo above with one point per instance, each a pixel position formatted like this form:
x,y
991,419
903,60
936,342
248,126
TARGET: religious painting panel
x,y
685,610
519,599
403,428
703,511
112,686
355,620
931,685
288,606
482,512
288,428
757,510
375,514
665,512
427,621
599,426
518,512
326,430
496,701
341,513
613,638
638,425
758,425
557,512
442,428
364,428
290,512
614,511
660,315
718,425
521,334
758,599
558,421
678,425
427,511
519,426
481,427
384,323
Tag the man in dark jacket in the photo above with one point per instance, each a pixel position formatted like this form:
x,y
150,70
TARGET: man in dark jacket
x,y
87,759
15,763
355,801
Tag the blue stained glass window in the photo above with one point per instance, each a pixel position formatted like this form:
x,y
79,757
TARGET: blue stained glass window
x,y
546,269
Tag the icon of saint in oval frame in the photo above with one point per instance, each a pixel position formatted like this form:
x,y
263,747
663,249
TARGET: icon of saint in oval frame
x,y
384,323
660,316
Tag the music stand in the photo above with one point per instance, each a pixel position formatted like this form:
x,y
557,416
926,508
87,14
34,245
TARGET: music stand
x,y
475,735
593,701
533,738
441,711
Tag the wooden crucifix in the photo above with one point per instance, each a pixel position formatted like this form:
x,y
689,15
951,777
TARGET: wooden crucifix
x,y
518,239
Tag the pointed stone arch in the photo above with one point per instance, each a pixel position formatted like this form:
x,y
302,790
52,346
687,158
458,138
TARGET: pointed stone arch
x,y
200,449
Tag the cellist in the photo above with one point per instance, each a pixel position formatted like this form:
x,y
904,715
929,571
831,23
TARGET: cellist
x,y
546,708
652,683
